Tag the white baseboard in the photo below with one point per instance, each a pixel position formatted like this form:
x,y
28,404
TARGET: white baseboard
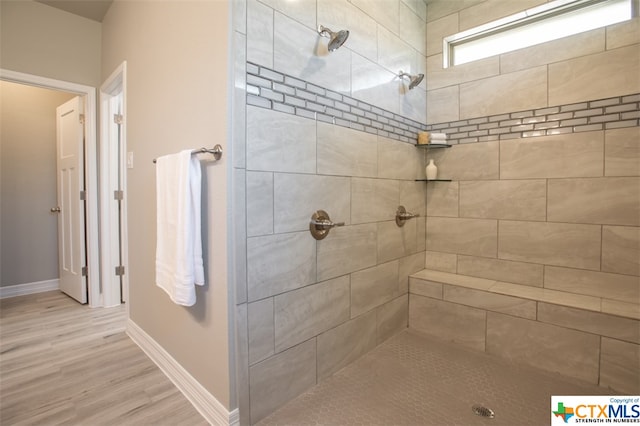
x,y
206,404
29,288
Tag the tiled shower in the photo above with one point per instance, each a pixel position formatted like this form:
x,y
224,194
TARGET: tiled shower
x,y
543,203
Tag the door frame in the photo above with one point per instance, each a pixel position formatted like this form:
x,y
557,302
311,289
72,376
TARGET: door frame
x,y
91,169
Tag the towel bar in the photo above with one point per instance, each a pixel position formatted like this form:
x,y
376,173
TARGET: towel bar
x,y
216,151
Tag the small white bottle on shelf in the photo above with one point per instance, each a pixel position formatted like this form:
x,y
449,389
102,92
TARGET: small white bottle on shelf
x,y
431,170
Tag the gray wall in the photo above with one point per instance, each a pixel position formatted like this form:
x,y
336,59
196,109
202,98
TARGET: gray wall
x,y
28,183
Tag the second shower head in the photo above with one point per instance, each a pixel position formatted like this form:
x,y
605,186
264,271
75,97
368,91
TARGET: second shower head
x,y
336,39
414,80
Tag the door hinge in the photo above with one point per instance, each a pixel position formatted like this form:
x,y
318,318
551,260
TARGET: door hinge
x,y
119,270
83,195
81,116
117,118
85,271
118,194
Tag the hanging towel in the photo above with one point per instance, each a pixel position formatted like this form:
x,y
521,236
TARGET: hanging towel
x,y
179,265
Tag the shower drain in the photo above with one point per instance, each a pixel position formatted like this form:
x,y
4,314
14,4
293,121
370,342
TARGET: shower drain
x,y
481,411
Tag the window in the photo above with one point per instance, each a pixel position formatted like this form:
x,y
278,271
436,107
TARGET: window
x,y
551,21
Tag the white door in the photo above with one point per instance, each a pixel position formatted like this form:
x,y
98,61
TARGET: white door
x,y
70,168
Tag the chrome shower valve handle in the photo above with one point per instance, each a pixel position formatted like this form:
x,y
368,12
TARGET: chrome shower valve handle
x,y
402,216
321,224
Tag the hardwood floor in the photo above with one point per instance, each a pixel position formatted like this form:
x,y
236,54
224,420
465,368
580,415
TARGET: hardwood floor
x,y
65,363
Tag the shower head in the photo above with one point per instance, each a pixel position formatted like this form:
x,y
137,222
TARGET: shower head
x,y
335,39
414,80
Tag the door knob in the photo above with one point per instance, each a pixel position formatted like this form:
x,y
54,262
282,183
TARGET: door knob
x,y
55,209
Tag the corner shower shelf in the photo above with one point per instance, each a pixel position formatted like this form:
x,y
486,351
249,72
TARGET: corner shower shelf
x,y
433,180
434,145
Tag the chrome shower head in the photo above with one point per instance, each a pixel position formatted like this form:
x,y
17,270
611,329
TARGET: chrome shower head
x,y
335,39
414,80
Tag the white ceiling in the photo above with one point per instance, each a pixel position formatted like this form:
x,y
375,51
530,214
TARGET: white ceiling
x,y
91,9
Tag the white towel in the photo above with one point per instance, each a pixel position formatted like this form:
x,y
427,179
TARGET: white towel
x,y
179,265
438,136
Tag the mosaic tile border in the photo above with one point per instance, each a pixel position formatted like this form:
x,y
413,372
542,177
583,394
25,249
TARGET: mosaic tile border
x,y
277,91
602,114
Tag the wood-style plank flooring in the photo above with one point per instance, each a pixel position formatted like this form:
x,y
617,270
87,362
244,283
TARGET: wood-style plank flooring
x,y
65,363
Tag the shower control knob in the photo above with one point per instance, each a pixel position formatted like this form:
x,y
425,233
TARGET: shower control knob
x,y
321,224
55,209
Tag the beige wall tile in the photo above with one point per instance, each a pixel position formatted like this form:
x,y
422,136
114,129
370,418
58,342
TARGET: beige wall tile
x,y
443,105
622,309
395,242
373,200
545,295
501,270
574,46
346,249
346,152
373,287
560,156
280,378
490,301
344,344
412,29
385,12
503,199
307,312
392,317
621,249
438,77
611,73
591,322
260,318
259,33
549,347
549,243
592,283
421,233
476,237
409,265
448,321
259,203
438,9
437,30
622,152
445,262
455,279
413,196
425,288
279,263
491,10
515,91
442,199
476,161
303,12
620,366
623,34
613,201
397,160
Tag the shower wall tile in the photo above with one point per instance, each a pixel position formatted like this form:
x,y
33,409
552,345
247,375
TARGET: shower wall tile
x,y
385,12
436,10
476,237
438,76
239,94
562,156
549,347
550,296
281,378
302,11
300,52
421,229
503,199
347,152
259,33
549,243
624,309
398,160
260,203
279,263
426,288
395,242
592,322
600,284
409,265
622,152
297,197
438,29
309,311
373,84
611,201
530,274
419,7
445,262
412,197
239,11
582,44
280,142
489,301
621,249
348,249
239,245
504,93
442,199
344,344
412,28
623,34
590,77
342,15
394,53
261,330
373,287
443,105
242,362
448,321
413,103
619,366
476,161
373,200
392,318
491,10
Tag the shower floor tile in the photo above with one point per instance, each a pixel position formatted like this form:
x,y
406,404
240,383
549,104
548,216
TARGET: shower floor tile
x,y
413,379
